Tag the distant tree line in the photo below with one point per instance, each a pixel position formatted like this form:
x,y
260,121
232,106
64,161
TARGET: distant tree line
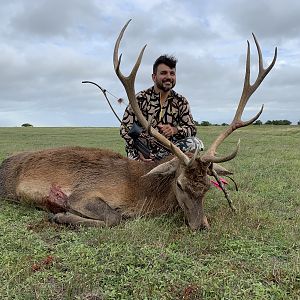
x,y
258,122
273,122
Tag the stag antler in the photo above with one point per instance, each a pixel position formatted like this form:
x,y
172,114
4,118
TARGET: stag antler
x,y
128,83
248,90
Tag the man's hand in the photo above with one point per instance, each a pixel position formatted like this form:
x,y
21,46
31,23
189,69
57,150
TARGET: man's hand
x,y
142,158
167,130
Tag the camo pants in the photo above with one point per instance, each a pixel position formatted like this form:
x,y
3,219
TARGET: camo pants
x,y
189,144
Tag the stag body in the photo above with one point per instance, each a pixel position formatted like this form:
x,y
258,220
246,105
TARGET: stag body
x,y
101,186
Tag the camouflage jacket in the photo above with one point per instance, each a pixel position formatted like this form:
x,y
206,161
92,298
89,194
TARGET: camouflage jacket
x,y
175,111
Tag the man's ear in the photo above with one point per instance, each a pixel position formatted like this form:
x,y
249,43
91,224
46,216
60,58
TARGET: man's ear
x,y
153,77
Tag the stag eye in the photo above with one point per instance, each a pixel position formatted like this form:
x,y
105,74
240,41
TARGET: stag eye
x,y
179,185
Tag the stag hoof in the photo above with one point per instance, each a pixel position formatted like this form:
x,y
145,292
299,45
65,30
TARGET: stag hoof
x,y
51,217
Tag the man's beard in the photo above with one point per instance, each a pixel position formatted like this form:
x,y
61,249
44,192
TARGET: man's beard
x,y
161,86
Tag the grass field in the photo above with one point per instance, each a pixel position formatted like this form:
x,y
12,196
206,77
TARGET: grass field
x,y
254,254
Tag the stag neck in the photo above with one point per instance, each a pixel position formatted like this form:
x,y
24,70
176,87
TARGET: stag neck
x,y
153,194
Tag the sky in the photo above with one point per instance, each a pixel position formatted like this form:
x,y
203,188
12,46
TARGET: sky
x,y
48,47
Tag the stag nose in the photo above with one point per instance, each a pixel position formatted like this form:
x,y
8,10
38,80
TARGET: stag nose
x,y
202,225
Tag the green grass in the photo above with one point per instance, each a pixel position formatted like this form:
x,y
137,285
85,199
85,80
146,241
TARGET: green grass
x,y
251,255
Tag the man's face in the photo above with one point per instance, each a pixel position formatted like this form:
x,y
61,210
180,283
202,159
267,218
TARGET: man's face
x,y
164,78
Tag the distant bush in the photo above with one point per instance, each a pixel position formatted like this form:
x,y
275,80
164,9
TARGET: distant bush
x,y
205,123
258,122
26,125
278,122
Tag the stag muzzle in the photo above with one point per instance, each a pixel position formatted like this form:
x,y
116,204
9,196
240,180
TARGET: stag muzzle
x,y
198,222
195,217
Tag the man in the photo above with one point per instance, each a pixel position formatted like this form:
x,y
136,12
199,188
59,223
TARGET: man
x,y
170,113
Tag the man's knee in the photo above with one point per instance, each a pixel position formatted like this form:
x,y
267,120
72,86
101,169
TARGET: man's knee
x,y
190,144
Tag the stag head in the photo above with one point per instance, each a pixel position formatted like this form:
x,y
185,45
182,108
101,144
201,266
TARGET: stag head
x,y
191,175
192,184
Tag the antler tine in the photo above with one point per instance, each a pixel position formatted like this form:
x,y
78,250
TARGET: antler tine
x,y
248,90
117,61
128,83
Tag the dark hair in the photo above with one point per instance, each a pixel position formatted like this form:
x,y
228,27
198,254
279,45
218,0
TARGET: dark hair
x,y
168,60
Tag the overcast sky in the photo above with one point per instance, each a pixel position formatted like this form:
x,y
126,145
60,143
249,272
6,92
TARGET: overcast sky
x,y
48,47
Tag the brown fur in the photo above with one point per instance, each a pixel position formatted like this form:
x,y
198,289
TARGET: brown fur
x,y
97,184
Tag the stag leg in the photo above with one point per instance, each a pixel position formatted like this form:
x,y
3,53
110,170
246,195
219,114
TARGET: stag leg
x,y
72,219
90,212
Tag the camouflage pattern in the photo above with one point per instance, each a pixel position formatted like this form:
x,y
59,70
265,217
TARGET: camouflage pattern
x,y
189,144
175,111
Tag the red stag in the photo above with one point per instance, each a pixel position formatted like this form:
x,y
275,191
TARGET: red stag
x,y
100,187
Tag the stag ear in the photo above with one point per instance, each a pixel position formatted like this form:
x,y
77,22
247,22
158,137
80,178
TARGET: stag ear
x,y
166,168
219,170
